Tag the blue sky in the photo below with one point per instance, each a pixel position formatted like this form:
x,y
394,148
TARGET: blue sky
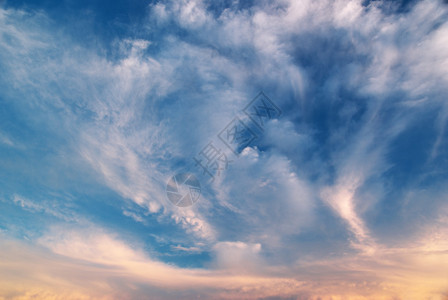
x,y
341,196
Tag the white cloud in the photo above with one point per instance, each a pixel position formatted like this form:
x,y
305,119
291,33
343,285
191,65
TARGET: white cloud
x,y
238,256
51,207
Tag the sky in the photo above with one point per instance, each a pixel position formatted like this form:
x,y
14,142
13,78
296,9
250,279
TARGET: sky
x,y
196,149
